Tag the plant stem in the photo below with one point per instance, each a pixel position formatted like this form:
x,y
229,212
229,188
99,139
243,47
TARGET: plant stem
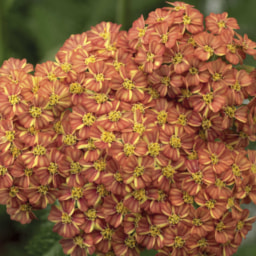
x,y
122,11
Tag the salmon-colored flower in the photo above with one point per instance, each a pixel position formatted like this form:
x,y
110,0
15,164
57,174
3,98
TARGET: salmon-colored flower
x,y
36,114
22,213
80,245
175,141
220,23
191,20
67,220
124,244
208,45
150,57
148,234
216,157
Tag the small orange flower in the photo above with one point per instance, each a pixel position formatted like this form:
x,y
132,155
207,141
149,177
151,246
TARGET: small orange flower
x,y
150,57
220,23
208,45
216,156
67,220
81,245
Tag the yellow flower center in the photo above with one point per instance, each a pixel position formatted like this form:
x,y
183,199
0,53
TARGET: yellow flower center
x,y
117,65
197,222
202,242
28,172
70,139
13,191
239,225
197,177
91,214
114,116
130,242
162,117
52,168
153,93
177,58
150,56
175,141
193,71
230,111
236,87
207,98
25,208
174,219
216,77
138,106
236,170
99,77
65,218
231,48
15,151
88,119
193,155
100,165
35,112
54,99
101,190
78,240
90,59
121,209
220,183
153,149
186,20
253,168
210,204
221,24
118,177
178,242
231,202
39,150
100,98
107,233
209,49
139,128
248,189
13,99
188,199
75,168
165,80
138,171
182,119
66,67
164,38
140,195
128,84
168,171
107,137
142,32
220,226
129,149
206,124
10,135
76,88
43,190
214,159
51,76
77,193
154,231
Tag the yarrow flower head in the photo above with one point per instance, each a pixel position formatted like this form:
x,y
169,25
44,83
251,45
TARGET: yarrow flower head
x,y
139,137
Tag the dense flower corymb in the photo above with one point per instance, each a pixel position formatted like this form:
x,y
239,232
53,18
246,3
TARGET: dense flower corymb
x,y
138,138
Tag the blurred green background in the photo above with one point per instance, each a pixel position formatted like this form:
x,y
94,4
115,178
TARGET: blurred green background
x,y
35,30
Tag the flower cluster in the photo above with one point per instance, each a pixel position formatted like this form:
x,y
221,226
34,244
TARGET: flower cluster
x,y
137,138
